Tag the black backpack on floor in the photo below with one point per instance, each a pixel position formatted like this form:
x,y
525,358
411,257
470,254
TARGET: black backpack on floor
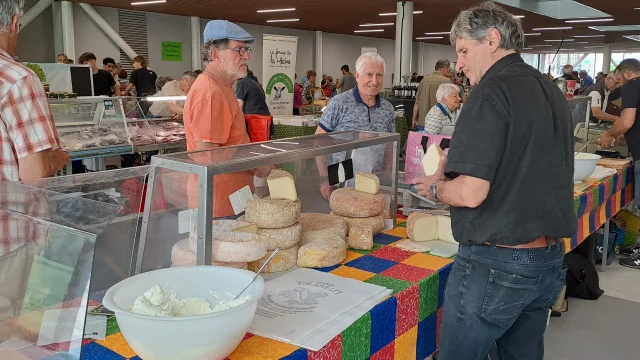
x,y
582,277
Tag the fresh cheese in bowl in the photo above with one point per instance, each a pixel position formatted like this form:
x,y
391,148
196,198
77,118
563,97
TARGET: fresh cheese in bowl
x,y
584,165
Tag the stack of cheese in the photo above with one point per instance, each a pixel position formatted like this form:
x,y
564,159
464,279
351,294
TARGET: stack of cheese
x,y
276,219
323,240
234,243
361,208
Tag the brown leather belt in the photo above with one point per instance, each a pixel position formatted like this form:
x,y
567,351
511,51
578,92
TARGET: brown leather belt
x,y
537,243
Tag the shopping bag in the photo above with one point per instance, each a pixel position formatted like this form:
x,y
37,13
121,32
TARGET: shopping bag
x,y
259,127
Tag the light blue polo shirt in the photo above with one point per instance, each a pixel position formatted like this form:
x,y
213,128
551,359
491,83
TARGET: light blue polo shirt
x,y
347,112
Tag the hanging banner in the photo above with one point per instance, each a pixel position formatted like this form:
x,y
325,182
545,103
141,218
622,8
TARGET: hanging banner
x,y
278,72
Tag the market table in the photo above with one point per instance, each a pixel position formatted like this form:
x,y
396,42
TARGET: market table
x,y
404,326
597,204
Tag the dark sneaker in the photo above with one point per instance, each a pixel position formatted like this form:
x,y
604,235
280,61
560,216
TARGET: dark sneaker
x,y
632,262
630,251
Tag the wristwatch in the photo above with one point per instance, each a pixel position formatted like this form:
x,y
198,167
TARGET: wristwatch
x,y
433,191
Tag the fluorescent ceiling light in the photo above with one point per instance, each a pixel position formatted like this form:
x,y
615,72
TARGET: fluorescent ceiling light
x,y
563,49
633,37
593,47
382,24
438,33
587,20
616,28
554,28
393,14
150,2
582,42
366,31
429,38
276,10
527,48
588,36
282,20
565,40
518,16
533,34
541,45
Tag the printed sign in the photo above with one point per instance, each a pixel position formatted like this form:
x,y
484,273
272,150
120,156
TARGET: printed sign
x,y
171,51
278,72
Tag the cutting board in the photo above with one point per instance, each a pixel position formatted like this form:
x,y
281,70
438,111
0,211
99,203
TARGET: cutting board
x,y
580,187
615,163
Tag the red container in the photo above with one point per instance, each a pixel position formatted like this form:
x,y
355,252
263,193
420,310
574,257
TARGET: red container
x,y
571,88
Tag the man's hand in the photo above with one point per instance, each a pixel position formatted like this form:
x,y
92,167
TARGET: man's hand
x,y
620,139
414,123
326,189
605,140
263,171
423,183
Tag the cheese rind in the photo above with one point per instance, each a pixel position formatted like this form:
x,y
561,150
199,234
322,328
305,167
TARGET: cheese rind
x,y
284,260
322,253
229,245
319,226
281,185
422,227
360,238
376,223
181,255
444,229
356,204
431,159
281,238
367,183
272,214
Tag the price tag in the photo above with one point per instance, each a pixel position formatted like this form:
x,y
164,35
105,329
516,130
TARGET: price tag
x,y
239,199
109,109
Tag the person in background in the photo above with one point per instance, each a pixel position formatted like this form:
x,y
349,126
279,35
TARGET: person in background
x,y
440,119
251,96
601,96
122,79
514,128
347,81
63,59
174,108
71,62
103,82
109,65
328,88
212,115
198,72
600,76
628,75
426,95
414,77
161,82
143,79
585,79
297,97
361,108
308,85
567,74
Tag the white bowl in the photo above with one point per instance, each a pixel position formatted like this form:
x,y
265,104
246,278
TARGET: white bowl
x,y
211,336
584,165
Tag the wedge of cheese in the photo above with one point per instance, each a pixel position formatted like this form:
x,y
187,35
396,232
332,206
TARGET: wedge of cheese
x,y
322,253
284,260
367,183
431,159
251,229
426,227
360,238
281,185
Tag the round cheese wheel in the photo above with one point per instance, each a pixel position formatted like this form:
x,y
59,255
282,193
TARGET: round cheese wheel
x,y
181,255
272,214
283,238
224,230
376,223
284,260
318,226
357,204
232,246
322,253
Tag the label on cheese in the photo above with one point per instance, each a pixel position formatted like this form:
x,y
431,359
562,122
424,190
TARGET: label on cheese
x,y
319,226
376,223
322,253
431,159
283,261
352,203
360,238
272,214
367,183
281,185
284,238
427,227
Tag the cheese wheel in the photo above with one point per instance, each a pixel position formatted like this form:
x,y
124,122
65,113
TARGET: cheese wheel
x,y
427,227
360,238
281,238
284,260
281,185
352,203
229,230
367,183
431,159
322,253
181,255
376,223
318,226
232,246
272,214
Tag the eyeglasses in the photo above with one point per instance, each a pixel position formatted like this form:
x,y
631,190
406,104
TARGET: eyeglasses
x,y
241,50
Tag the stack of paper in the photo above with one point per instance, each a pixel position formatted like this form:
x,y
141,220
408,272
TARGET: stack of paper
x,y
308,308
602,172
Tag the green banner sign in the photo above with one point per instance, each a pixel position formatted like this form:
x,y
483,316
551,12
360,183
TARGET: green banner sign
x,y
171,51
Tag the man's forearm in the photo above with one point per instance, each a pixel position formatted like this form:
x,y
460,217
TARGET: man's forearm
x,y
619,128
603,116
457,193
416,109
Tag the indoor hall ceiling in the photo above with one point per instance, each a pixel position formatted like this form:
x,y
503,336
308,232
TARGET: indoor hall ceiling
x,y
344,17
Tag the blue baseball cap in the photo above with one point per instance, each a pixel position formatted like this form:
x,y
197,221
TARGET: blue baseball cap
x,y
225,30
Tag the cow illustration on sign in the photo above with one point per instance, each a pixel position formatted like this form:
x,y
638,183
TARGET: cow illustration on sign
x,y
278,91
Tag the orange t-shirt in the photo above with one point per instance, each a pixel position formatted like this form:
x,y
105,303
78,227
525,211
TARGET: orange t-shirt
x,y
212,115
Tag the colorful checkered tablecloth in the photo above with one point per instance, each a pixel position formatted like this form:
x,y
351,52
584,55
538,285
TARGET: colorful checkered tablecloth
x,y
405,326
599,203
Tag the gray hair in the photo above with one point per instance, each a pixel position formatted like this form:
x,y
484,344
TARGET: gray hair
x,y
370,58
210,45
161,81
189,75
445,90
9,8
476,22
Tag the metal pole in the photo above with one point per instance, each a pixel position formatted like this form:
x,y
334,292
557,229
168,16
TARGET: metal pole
x,y
68,34
318,59
404,39
605,243
205,217
99,20
196,62
33,12
606,58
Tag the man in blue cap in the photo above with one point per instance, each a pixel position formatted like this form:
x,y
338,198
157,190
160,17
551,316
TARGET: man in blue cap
x,y
212,116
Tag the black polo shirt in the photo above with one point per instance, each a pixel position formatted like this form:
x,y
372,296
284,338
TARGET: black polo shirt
x,y
631,100
515,131
103,81
248,89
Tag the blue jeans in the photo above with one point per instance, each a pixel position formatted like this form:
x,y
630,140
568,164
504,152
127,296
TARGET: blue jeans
x,y
502,296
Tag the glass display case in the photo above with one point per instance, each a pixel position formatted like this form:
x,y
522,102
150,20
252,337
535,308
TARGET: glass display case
x,y
94,127
218,182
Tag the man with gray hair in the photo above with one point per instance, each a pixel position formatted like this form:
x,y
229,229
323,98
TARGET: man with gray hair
x,y
173,108
508,179
360,109
426,95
